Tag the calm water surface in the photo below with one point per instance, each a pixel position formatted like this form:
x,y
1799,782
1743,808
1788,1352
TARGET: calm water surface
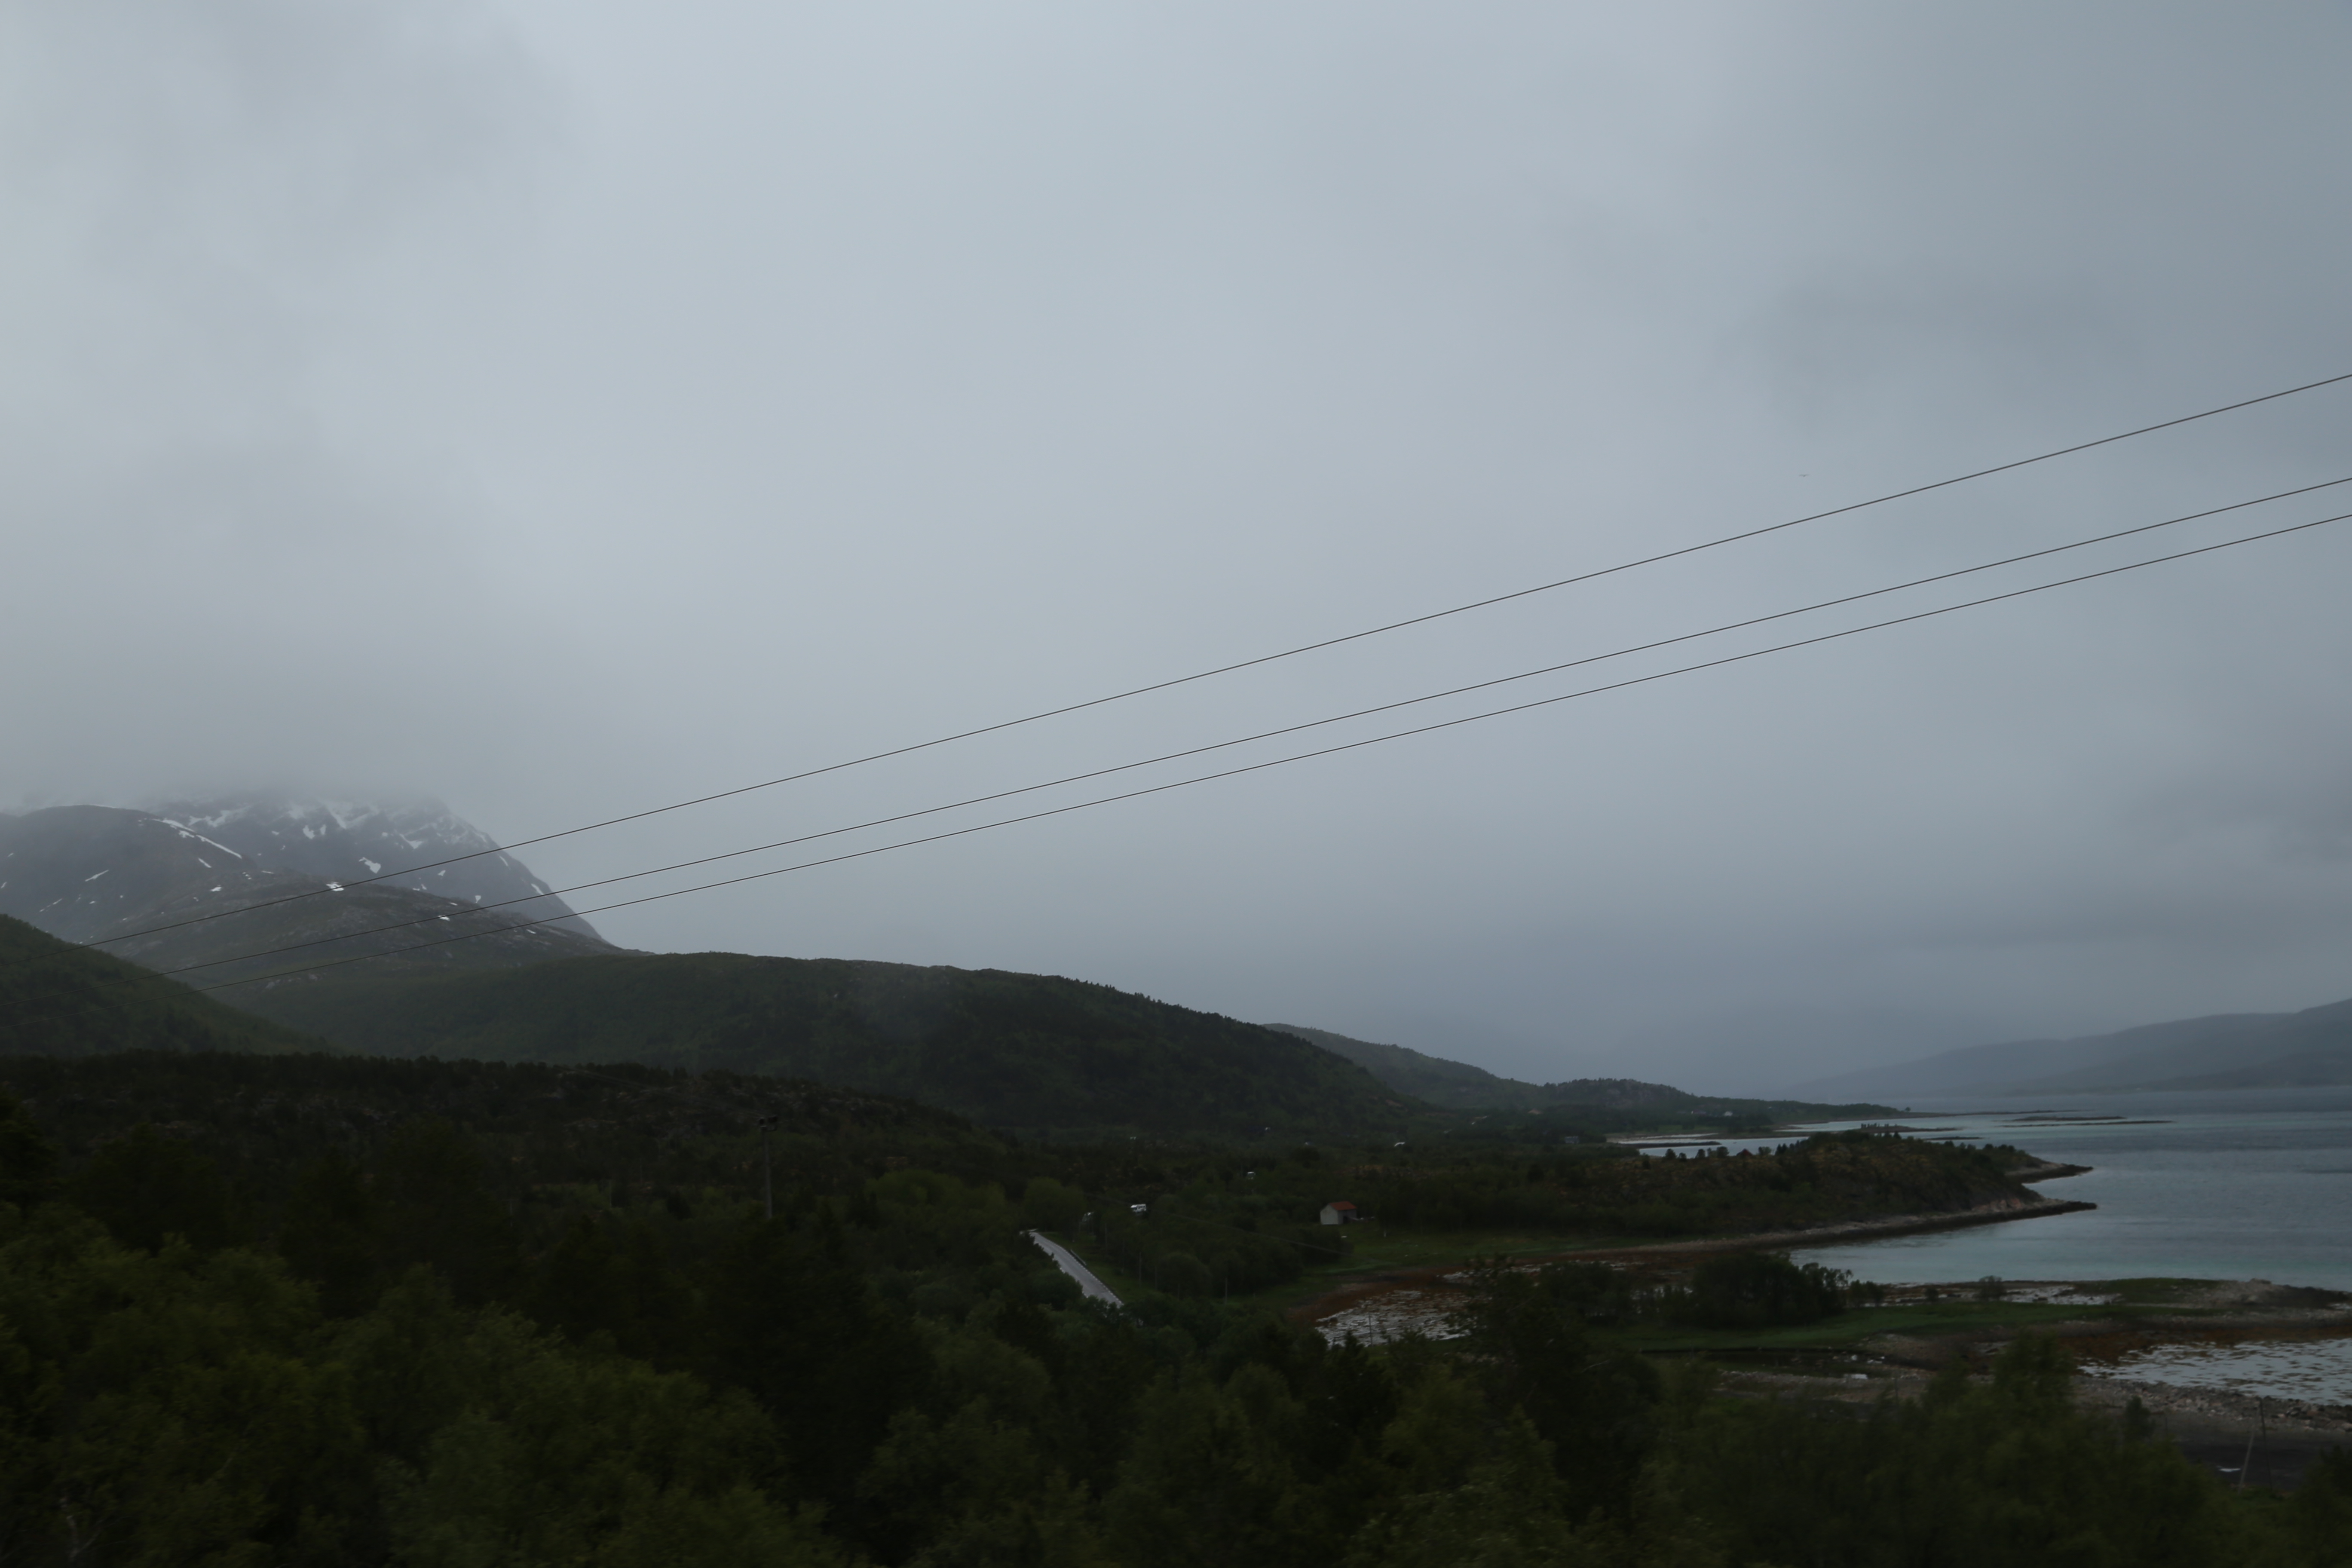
x,y
2256,1184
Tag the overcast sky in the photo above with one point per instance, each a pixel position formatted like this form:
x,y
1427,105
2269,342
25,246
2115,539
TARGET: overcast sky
x,y
563,407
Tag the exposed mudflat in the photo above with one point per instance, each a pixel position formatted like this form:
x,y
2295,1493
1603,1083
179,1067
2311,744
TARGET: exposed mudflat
x,y
2251,1379
1389,1306
2255,1385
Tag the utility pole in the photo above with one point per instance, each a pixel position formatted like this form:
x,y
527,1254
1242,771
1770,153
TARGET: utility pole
x,y
767,1167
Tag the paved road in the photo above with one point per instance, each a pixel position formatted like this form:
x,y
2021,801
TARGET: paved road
x,y
1076,1271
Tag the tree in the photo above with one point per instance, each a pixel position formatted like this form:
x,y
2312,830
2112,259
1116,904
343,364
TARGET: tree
x,y
794,1325
1999,1473
1504,1513
1752,1289
333,1235
1049,1205
29,1161
2319,1514
160,1407
1208,1482
432,1185
601,1462
146,1187
1594,1407
973,1491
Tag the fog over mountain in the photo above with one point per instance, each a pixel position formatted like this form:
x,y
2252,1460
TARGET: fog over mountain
x,y
355,841
212,892
2307,1049
561,410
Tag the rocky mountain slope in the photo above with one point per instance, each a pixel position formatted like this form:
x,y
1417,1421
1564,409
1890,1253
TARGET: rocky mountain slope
x,y
352,841
2226,1050
270,897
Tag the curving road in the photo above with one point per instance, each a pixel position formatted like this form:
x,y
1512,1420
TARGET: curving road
x,y
1076,1271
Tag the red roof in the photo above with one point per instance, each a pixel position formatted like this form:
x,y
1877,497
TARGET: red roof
x,y
1339,1205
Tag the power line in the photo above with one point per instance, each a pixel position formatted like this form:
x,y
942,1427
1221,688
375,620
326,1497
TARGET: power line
x,y
1306,756
1264,658
1286,729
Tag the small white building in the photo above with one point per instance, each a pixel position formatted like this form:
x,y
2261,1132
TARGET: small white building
x,y
1341,1214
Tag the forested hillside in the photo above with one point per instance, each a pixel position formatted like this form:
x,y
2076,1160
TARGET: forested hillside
x,y
1461,1087
57,999
1026,1051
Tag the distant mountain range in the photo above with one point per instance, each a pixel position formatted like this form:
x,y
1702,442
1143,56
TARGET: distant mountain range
x,y
2311,1048
1027,1051
275,902
252,893
103,874
1461,1087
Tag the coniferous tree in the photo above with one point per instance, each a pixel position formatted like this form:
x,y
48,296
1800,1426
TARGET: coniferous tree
x,y
332,1234
28,1159
437,1210
146,1187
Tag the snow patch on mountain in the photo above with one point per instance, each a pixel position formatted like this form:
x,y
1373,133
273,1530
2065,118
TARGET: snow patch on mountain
x,y
418,843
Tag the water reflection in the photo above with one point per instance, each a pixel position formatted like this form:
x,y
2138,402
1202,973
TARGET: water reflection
x,y
2227,1186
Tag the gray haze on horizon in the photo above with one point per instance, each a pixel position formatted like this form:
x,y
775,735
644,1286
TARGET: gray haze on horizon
x,y
562,408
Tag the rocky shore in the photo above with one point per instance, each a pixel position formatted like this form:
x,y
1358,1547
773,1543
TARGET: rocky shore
x,y
2177,1407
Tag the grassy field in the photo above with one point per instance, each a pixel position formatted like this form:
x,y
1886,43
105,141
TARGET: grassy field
x,y
1374,1251
1925,1320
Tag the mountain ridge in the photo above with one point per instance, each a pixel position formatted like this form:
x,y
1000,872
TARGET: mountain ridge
x,y
346,841
167,894
1462,1087
2241,1050
1040,1053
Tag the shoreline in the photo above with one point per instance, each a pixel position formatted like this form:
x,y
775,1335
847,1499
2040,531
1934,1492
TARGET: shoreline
x,y
2267,1442
1357,1296
1853,1230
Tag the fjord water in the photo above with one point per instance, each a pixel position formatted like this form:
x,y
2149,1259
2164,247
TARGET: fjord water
x,y
2245,1184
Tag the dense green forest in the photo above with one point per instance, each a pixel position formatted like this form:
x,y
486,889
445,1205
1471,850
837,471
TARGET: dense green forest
x,y
1458,1086
1820,1181
1026,1051
333,1310
58,998
1032,1052
1231,1216
1035,1053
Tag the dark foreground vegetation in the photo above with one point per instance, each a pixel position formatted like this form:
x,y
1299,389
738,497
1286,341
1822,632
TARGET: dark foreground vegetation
x,y
314,1310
